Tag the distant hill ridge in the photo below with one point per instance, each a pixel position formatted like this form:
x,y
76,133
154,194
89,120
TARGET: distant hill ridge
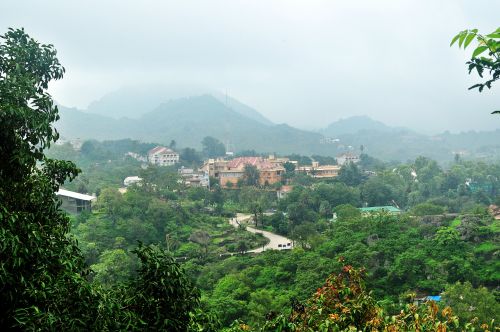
x,y
188,120
134,101
354,124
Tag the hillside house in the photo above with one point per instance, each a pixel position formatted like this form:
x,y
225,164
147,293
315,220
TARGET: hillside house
x,y
73,202
130,180
422,299
377,209
346,158
319,171
162,156
283,191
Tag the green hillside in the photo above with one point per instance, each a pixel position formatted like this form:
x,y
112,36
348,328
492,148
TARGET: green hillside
x,y
188,121
353,124
134,101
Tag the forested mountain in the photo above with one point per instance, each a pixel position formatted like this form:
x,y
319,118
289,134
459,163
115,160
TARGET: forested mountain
x,y
189,120
353,124
75,123
403,145
242,108
134,101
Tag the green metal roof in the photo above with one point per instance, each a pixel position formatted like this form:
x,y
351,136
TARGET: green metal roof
x,y
387,208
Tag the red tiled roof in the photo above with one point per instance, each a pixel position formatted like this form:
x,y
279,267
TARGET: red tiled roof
x,y
239,163
160,150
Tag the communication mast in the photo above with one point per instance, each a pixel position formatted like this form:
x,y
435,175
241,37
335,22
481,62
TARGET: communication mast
x,y
229,150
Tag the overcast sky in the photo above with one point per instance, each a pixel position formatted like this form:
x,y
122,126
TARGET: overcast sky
x,y
306,63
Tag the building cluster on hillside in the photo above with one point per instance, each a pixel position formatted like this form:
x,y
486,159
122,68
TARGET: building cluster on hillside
x,y
232,171
271,169
229,173
192,178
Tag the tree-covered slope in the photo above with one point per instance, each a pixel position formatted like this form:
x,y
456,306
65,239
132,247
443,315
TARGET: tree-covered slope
x,y
134,101
188,121
353,124
77,124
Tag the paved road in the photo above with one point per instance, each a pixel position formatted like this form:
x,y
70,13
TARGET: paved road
x,y
276,242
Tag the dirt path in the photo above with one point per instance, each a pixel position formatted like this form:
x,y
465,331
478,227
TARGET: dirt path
x,y
276,242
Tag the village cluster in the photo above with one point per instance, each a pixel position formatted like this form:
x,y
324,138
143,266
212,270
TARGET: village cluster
x,y
227,171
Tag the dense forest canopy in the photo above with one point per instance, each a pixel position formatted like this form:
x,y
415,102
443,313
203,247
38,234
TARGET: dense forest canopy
x,y
445,239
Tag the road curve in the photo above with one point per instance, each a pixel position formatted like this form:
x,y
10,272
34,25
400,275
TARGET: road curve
x,y
276,242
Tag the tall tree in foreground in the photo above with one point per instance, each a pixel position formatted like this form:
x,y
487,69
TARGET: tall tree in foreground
x,y
44,282
42,276
162,296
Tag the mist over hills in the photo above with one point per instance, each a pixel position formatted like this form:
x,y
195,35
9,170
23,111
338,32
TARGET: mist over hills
x,y
188,121
134,101
240,127
354,124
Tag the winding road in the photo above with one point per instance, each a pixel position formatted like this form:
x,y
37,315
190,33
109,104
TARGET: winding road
x,y
276,242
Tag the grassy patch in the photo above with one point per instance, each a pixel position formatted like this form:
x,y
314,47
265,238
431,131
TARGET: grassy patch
x,y
455,223
486,247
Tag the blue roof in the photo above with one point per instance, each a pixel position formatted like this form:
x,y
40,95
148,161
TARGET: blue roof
x,y
387,208
435,298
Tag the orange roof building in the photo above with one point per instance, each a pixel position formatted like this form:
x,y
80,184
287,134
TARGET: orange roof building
x,y
269,173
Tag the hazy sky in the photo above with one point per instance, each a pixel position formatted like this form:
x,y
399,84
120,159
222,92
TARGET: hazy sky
x,y
306,63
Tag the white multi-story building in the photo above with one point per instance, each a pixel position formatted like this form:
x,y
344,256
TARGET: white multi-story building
x,y
346,158
130,180
163,156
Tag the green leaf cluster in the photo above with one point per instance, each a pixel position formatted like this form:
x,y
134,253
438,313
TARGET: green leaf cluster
x,y
482,62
